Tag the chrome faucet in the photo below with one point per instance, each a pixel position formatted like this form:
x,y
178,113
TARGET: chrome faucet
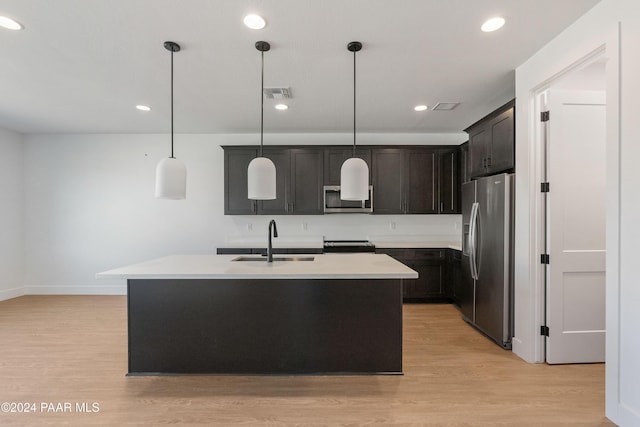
x,y
275,234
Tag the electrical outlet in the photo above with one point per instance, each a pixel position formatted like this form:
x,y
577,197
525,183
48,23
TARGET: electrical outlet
x,y
249,226
305,226
392,225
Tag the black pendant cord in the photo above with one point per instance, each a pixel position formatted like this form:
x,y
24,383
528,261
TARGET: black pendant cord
x,y
354,103
262,103
172,105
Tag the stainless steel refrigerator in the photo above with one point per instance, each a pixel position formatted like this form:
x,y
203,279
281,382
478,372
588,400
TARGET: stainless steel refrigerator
x,y
487,256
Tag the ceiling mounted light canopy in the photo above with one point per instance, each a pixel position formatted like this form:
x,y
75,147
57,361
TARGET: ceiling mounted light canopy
x,y
492,24
354,173
143,107
261,173
171,174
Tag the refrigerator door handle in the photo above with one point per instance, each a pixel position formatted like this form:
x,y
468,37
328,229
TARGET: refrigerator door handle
x,y
473,240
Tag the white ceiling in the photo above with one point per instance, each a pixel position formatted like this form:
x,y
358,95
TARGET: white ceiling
x,y
81,66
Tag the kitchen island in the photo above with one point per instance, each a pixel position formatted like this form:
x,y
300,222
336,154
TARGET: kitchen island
x,y
209,314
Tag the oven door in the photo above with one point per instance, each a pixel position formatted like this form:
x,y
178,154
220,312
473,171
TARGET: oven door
x,y
334,204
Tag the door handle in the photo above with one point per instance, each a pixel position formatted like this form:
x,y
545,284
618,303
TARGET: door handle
x,y
473,240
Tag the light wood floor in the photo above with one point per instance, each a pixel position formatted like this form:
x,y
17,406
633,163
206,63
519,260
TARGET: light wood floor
x,y
74,349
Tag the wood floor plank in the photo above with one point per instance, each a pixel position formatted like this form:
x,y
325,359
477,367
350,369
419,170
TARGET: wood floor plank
x,y
58,349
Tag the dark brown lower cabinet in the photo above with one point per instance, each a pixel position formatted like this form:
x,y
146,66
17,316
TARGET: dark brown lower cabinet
x,y
454,275
431,265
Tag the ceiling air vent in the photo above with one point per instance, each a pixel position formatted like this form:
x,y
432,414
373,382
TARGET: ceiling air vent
x,y
277,92
445,106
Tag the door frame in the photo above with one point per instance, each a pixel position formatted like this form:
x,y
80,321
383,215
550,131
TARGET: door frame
x,y
538,161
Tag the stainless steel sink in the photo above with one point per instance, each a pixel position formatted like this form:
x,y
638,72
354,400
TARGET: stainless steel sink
x,y
275,258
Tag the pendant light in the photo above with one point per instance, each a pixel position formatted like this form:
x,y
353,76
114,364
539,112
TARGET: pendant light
x,y
354,174
261,173
171,174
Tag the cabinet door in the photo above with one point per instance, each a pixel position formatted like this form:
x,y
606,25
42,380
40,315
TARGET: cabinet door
x,y
335,157
464,163
387,166
479,140
236,201
420,184
306,182
455,280
448,183
430,281
501,157
278,206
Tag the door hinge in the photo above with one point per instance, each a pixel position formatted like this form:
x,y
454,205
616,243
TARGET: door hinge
x,y
544,187
544,116
544,259
544,331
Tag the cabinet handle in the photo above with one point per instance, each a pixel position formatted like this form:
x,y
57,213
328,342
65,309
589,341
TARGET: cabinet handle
x,y
489,161
484,162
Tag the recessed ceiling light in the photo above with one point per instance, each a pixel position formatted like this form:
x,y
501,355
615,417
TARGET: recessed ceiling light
x,y
420,107
9,23
143,107
492,24
282,106
255,22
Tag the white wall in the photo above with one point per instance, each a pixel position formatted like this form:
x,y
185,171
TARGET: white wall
x,y
616,25
11,214
90,206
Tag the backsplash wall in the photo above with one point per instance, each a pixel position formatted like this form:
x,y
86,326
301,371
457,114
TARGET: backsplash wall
x,y
89,204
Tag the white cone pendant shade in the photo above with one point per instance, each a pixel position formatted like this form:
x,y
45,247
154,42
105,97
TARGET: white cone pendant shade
x,y
171,179
354,179
261,178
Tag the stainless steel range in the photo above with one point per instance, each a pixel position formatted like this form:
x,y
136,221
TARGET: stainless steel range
x,y
348,246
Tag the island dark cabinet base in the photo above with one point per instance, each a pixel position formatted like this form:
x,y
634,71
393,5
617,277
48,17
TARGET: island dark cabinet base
x,y
255,326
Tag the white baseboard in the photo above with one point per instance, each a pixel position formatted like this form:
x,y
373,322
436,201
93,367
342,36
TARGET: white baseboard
x,y
76,290
11,293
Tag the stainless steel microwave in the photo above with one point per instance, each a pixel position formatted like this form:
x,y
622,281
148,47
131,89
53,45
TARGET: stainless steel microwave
x,y
333,203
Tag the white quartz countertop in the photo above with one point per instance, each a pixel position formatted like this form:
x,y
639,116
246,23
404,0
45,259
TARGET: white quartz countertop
x,y
324,266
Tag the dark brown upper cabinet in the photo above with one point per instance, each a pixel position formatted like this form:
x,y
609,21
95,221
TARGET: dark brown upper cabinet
x,y
279,205
405,180
465,175
387,166
299,174
449,194
306,189
335,157
492,142
236,201
421,181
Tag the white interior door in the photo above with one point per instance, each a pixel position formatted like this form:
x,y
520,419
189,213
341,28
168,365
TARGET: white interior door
x,y
576,227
